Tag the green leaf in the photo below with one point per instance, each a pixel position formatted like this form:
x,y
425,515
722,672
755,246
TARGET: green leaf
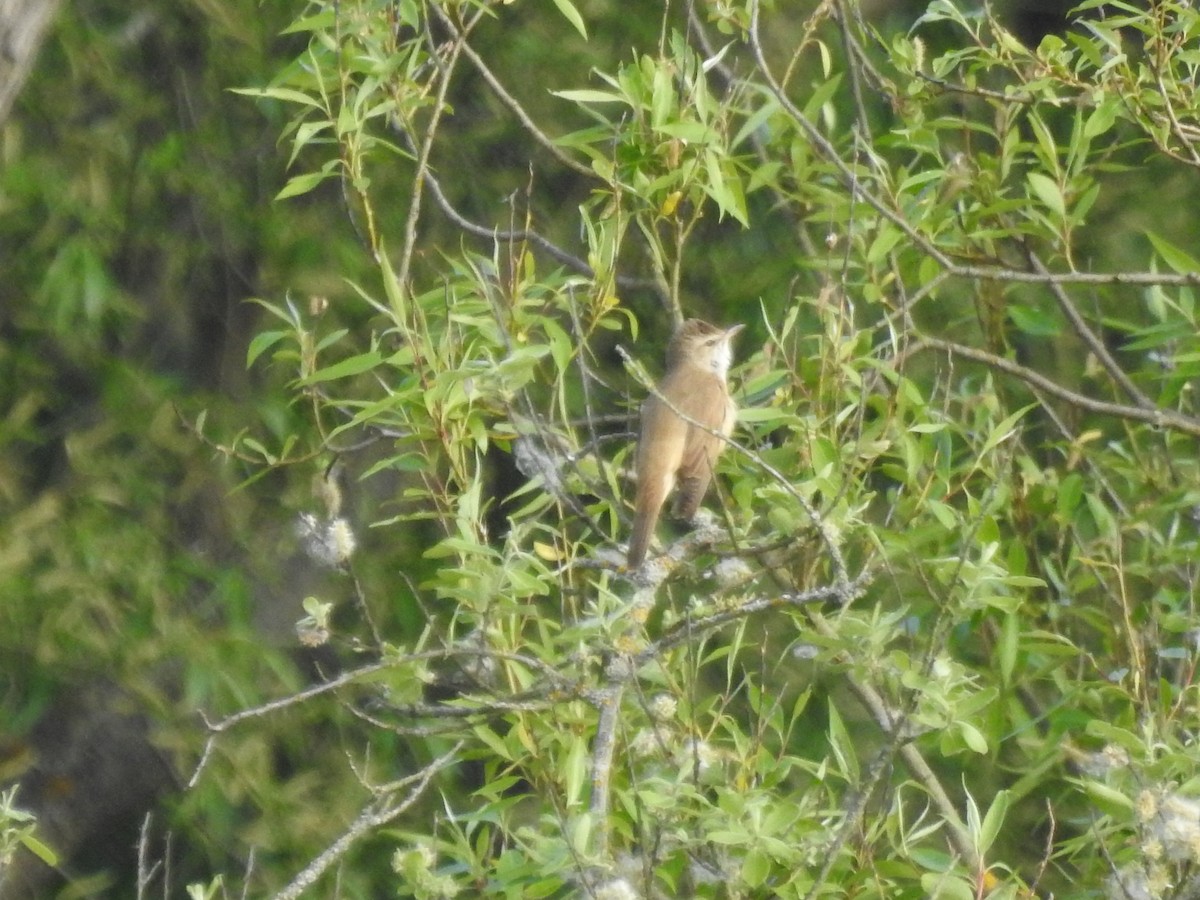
x,y
755,121
1181,262
257,447
493,741
1070,493
397,293
973,737
992,821
285,94
772,414
318,22
332,338
755,868
1023,581
1046,144
1010,642
842,745
1103,117
355,365
261,343
1004,430
888,237
305,133
574,772
1114,734
945,515
1035,322
586,95
947,887
725,188
689,132
1100,514
42,851
1047,190
301,184
571,14
580,831
1108,799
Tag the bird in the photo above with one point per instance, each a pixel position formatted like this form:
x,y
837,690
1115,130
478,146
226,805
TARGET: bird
x,y
673,453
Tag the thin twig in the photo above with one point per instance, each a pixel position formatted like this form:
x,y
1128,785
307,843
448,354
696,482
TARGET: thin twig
x,y
692,627
418,183
375,815
145,871
553,682
975,91
551,249
988,273
1089,337
1160,418
862,120
891,723
512,103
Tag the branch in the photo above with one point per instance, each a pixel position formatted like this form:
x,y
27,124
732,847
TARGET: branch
x,y
891,724
439,106
1160,418
554,684
511,102
23,27
374,816
988,273
1089,337
623,668
690,628
1193,158
513,237
608,701
976,91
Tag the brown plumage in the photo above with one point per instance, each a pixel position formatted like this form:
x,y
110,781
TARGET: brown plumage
x,y
672,453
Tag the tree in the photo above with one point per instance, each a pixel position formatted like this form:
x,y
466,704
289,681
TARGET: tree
x,y
938,636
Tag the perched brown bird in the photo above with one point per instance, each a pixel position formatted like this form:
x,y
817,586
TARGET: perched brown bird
x,y
673,453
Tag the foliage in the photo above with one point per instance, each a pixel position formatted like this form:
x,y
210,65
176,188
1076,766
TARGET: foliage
x,y
17,830
939,637
942,640
133,222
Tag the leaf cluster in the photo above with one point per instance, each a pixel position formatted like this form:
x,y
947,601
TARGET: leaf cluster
x,y
949,602
938,637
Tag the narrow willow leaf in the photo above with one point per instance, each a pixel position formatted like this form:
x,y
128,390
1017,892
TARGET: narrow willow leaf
x,y
1182,262
355,365
1047,190
571,14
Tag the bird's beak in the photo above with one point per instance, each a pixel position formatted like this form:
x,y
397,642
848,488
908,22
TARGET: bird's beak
x,y
730,333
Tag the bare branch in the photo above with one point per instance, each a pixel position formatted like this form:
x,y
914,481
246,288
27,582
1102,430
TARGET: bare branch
x,y
1160,418
511,102
376,814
